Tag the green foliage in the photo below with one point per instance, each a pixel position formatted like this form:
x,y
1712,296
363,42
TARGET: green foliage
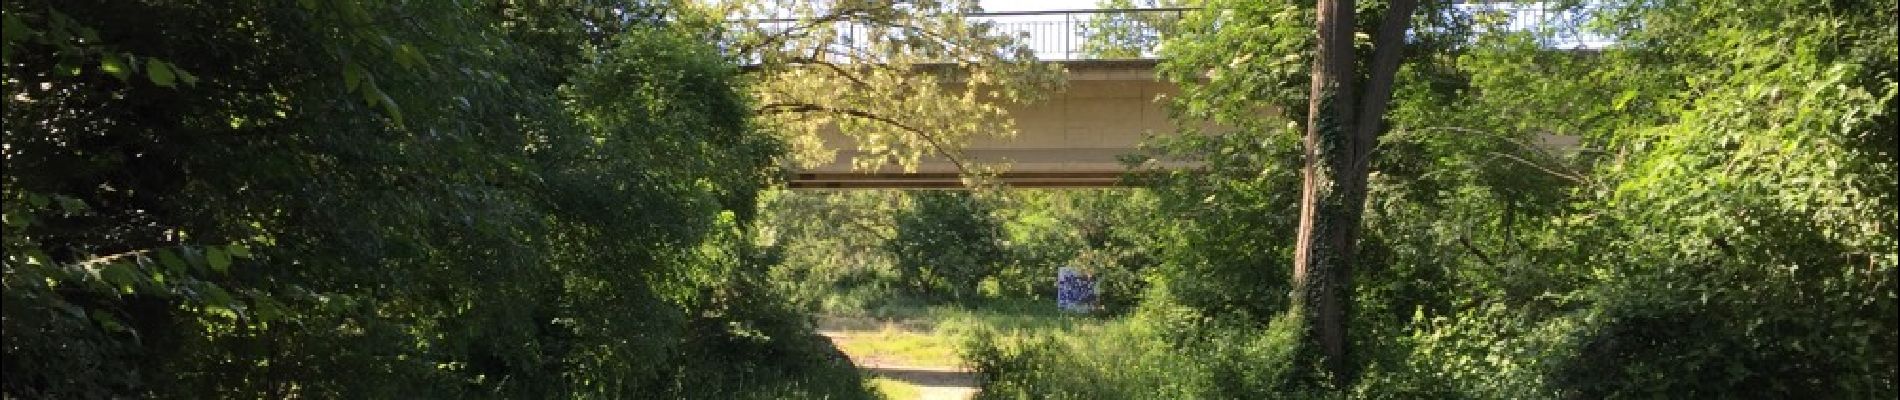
x,y
857,251
932,335
922,79
831,247
1773,189
1145,356
1218,237
1232,75
1112,35
1219,234
357,199
945,243
1099,232
1722,226
1707,257
1484,352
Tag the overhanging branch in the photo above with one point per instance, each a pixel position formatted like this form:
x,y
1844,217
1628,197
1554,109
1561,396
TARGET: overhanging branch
x,y
935,144
833,66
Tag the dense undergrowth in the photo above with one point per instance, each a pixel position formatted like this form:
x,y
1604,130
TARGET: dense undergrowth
x,y
893,253
363,199
366,199
1725,226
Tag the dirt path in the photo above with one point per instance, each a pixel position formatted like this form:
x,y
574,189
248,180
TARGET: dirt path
x,y
933,383
941,382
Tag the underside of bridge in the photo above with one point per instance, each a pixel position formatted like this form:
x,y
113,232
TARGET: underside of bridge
x,y
951,180
1076,138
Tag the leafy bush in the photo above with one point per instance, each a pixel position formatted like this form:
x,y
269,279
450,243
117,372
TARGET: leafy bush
x,y
1697,262
307,199
1723,228
1162,352
945,244
1099,231
1220,236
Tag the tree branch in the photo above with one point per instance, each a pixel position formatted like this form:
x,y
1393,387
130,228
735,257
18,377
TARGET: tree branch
x,y
1567,174
1571,177
938,146
833,66
1388,48
842,15
1466,241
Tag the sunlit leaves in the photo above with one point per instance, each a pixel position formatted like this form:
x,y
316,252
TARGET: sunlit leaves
x,y
1723,226
1236,59
1737,160
897,83
113,64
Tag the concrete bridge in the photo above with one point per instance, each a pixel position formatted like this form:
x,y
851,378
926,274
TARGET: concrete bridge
x,y
1076,137
1073,139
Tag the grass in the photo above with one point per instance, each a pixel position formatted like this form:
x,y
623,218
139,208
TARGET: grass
x,y
1141,356
895,389
903,347
909,333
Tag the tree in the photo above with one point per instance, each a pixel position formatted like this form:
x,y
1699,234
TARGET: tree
x,y
900,80
832,246
1112,34
1343,126
946,242
367,199
1701,205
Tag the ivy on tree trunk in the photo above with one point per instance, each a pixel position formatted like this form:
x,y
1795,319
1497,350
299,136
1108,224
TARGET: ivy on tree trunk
x,y
1340,136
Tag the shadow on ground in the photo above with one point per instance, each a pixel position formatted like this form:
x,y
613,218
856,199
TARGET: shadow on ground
x,y
925,376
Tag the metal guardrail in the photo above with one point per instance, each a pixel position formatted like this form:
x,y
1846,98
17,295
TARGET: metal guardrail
x,y
1058,35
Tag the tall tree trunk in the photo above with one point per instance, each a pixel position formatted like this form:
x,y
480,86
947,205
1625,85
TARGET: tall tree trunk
x,y
1322,255
1338,148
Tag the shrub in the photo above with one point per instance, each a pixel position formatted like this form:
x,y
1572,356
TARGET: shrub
x,y
945,244
1161,352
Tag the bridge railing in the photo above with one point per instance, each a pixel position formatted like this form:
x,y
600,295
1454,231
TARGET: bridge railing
x,y
1087,34
1060,35
1049,35
1555,24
